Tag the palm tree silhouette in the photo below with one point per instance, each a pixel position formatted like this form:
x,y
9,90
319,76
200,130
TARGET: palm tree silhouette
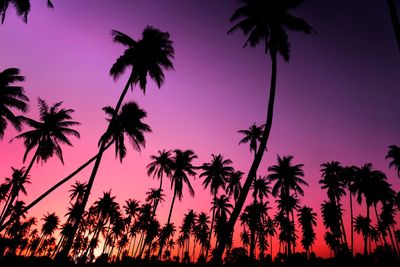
x,y
182,168
161,164
21,6
261,188
287,178
269,228
333,181
216,175
263,21
11,97
234,187
307,219
363,225
201,231
394,155
253,136
51,221
47,134
150,55
14,185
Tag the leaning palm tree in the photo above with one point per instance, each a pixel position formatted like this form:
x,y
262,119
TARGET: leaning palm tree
x,y
21,6
216,175
182,169
263,21
394,155
160,166
11,97
150,55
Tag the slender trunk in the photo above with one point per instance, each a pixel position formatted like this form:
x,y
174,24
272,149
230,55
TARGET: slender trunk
x,y
341,222
366,235
351,224
253,169
45,194
395,246
194,250
169,219
139,244
383,233
212,225
157,200
395,20
270,243
64,253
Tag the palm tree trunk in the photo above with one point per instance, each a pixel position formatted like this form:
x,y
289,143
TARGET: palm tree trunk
x,y
212,225
395,243
64,253
341,222
270,243
157,200
378,223
254,166
351,225
395,20
168,221
366,235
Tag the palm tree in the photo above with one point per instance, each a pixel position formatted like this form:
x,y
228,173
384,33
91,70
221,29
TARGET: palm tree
x,y
269,228
287,178
234,186
161,164
21,6
216,175
349,178
266,21
201,231
261,188
182,168
307,219
333,181
50,224
253,136
394,155
150,55
363,225
11,97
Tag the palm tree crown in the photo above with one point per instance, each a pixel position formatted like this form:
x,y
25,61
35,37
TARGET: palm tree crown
x,y
146,56
252,136
49,132
21,6
11,97
394,155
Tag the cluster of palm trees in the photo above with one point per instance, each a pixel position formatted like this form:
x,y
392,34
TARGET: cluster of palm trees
x,y
134,230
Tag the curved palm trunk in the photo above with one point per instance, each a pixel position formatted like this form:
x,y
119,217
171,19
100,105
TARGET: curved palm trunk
x,y
57,185
212,225
63,255
395,20
254,166
169,219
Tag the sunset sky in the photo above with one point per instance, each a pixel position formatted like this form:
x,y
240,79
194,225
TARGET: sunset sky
x,y
337,98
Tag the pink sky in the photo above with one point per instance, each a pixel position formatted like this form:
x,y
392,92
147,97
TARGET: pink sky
x,y
337,99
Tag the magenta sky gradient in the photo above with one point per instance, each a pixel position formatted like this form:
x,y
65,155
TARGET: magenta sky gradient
x,y
337,99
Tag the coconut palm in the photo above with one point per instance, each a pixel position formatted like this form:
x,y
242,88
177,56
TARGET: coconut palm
x,y
21,6
234,186
161,165
216,175
307,219
182,169
394,155
150,55
155,196
201,231
11,97
50,225
263,21
363,225
252,135
269,228
261,188
333,181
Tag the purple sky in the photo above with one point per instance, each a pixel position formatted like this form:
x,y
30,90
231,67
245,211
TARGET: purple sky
x,y
337,98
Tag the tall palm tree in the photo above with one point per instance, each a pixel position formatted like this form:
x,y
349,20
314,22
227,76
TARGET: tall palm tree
x,y
253,136
288,181
11,97
150,55
234,186
21,6
363,225
16,184
394,155
333,181
263,21
161,164
182,169
216,175
307,219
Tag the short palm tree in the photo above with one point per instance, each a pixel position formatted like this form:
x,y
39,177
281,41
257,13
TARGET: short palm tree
x,y
264,22
363,225
11,97
21,6
216,175
252,136
261,188
234,186
307,220
394,155
150,55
